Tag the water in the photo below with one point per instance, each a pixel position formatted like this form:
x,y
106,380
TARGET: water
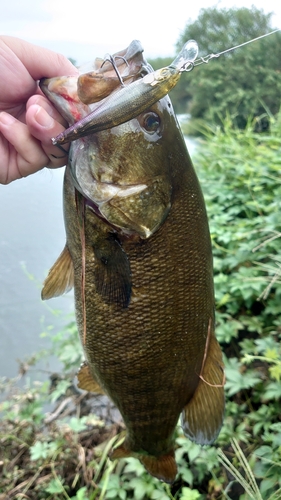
x,y
31,235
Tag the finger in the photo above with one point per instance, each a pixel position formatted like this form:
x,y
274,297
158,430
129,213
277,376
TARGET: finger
x,y
39,62
48,106
44,127
21,154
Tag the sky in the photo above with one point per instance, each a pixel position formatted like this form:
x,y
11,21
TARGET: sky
x,y
85,29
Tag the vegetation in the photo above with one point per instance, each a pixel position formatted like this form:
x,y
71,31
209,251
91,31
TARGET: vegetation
x,y
64,454
244,83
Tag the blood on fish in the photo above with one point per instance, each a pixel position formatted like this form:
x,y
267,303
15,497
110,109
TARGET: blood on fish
x,y
73,106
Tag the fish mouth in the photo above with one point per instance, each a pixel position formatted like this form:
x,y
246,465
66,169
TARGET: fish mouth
x,y
126,209
105,193
143,231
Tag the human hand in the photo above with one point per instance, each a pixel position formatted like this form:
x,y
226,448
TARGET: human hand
x,y
28,120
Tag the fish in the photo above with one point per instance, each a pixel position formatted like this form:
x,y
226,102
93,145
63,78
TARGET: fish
x,y
129,101
138,253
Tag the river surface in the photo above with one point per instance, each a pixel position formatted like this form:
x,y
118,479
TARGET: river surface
x,y
32,236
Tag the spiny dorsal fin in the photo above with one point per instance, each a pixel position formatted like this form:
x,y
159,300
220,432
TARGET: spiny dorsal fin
x,y
163,467
60,278
86,381
202,417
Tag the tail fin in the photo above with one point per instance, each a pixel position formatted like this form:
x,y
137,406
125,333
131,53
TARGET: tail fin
x,y
163,467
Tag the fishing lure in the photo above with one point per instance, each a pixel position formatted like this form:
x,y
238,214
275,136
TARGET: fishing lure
x,y
133,99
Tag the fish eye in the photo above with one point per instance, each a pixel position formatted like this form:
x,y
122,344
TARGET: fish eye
x,y
150,122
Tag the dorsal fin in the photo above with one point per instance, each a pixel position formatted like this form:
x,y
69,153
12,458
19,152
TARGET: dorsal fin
x,y
60,278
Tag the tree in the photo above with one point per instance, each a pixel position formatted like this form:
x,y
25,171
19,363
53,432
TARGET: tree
x,y
244,83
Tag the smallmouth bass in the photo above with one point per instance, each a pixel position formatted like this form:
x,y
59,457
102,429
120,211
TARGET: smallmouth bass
x,y
139,255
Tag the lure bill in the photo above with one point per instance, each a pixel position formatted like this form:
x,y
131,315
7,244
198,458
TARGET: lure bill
x,y
131,100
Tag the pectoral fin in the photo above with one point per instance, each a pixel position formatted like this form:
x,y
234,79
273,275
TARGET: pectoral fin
x,y
86,381
60,278
112,272
202,417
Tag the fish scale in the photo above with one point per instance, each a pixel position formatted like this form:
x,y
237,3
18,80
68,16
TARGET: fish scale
x,y
141,264
144,318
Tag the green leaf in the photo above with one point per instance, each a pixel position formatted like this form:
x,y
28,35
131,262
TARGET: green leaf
x,y
139,486
55,486
194,452
236,380
81,494
271,354
135,466
186,474
42,450
60,389
272,391
159,495
263,451
275,372
112,493
78,424
267,484
188,494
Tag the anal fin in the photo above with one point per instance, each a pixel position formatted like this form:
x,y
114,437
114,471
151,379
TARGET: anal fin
x,y
86,381
202,417
60,278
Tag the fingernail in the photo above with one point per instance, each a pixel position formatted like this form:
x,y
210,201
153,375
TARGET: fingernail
x,y
43,118
7,119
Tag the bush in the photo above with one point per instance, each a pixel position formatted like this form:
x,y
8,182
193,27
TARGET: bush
x,y
241,178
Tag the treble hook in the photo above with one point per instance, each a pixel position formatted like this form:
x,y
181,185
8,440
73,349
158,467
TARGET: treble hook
x,y
111,59
62,149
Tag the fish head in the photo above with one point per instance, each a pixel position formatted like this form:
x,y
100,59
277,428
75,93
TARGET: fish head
x,y
125,172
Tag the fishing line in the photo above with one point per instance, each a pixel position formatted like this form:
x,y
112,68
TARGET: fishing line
x,y
206,59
